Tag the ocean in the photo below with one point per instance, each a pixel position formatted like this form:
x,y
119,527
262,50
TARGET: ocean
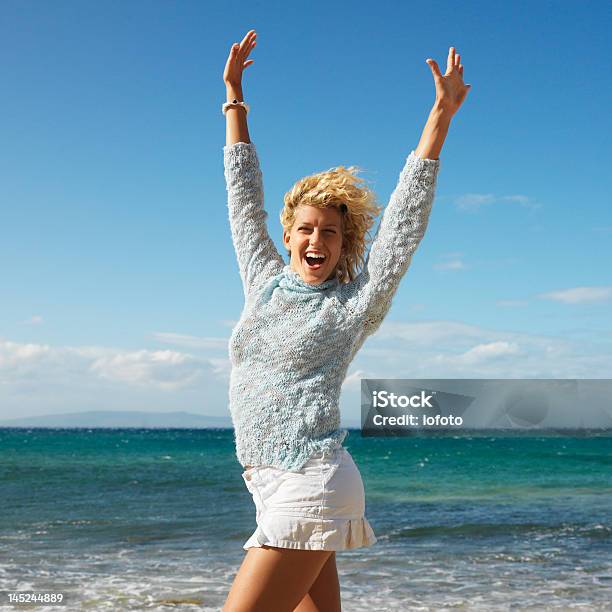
x,y
147,519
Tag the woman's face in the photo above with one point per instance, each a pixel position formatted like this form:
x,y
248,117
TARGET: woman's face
x,y
316,231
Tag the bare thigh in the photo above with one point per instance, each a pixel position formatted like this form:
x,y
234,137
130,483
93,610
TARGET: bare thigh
x,y
324,594
274,579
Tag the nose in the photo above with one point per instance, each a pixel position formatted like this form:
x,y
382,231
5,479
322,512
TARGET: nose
x,y
315,237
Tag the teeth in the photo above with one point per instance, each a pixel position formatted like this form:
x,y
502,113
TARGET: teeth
x,y
316,255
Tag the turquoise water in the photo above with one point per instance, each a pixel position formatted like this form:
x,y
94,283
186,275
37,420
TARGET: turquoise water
x,y
131,518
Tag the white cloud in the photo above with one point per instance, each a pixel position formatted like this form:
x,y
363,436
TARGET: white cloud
x,y
427,333
451,261
229,323
168,370
481,354
33,320
453,264
579,295
38,364
476,201
520,199
353,381
221,367
40,379
449,349
196,342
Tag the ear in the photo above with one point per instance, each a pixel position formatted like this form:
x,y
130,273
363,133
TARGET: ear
x,y
286,238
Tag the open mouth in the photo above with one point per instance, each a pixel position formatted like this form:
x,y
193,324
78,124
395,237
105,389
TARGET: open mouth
x,y
314,262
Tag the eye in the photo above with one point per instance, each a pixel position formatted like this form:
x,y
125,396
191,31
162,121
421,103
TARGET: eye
x,y
332,231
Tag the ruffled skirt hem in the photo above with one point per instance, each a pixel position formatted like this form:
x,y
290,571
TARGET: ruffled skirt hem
x,y
312,534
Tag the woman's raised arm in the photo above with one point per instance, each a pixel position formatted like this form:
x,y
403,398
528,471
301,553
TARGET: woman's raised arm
x,y
257,256
450,94
236,117
405,218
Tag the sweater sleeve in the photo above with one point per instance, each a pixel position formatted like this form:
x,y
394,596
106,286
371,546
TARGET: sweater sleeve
x,y
399,233
258,258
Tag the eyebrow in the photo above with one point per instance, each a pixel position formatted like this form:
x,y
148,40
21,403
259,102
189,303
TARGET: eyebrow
x,y
326,225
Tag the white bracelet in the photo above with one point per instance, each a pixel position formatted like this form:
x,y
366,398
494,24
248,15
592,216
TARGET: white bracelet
x,y
234,102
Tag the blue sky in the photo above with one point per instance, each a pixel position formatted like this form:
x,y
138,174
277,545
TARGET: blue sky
x,y
119,283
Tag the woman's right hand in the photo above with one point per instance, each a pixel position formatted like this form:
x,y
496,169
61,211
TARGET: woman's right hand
x,y
236,63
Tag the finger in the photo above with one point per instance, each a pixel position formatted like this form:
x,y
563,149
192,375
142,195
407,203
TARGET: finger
x,y
249,48
246,37
245,45
450,62
457,60
461,69
434,68
236,52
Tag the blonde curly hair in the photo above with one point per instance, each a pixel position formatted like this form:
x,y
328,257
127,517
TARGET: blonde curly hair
x,y
341,188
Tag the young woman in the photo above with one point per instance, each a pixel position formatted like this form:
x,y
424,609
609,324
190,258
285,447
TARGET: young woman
x,y
301,326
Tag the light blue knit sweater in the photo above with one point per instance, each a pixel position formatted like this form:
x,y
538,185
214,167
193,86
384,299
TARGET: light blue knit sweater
x,y
291,349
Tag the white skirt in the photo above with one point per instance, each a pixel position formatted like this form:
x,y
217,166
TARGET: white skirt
x,y
320,507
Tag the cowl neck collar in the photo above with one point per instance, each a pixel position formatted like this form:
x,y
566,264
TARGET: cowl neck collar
x,y
294,282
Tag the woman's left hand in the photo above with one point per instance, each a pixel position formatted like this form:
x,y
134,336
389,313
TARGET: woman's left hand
x,y
450,88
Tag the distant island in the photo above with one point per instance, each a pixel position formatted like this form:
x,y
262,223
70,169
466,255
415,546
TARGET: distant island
x,y
110,418
134,418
